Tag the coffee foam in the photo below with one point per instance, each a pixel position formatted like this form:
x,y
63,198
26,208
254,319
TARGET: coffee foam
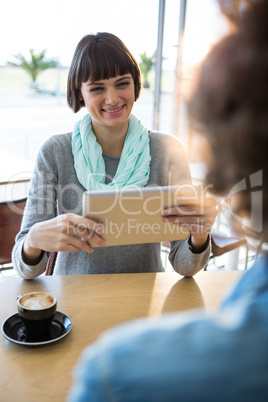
x,y
37,301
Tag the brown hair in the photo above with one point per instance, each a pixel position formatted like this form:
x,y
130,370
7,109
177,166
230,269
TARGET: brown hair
x,y
230,104
98,57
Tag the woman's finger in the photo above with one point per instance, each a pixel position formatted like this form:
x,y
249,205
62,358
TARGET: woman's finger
x,y
204,206
70,221
189,220
74,226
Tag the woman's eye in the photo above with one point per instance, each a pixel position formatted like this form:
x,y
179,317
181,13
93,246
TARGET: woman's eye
x,y
123,84
96,89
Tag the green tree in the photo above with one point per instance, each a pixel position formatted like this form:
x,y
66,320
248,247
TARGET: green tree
x,y
146,65
35,65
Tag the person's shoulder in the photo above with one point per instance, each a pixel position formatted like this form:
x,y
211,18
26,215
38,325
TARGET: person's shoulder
x,y
160,136
166,144
58,140
56,148
157,137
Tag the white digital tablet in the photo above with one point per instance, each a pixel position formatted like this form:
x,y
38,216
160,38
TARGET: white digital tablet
x,y
134,216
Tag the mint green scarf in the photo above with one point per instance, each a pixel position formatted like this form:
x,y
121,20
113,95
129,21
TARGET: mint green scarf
x,y
134,164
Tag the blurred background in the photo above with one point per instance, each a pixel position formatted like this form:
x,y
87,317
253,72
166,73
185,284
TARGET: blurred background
x,y
168,39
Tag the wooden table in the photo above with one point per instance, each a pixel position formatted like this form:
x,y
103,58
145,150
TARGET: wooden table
x,y
94,303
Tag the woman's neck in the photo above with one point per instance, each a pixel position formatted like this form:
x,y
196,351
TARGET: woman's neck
x,y
111,139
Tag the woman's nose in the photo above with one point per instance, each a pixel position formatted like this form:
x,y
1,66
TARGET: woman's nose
x,y
111,96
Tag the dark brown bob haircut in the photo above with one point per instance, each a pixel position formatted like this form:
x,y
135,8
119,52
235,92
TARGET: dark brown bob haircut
x,y
99,57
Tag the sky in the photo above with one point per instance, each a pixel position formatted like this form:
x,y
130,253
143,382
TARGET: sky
x,y
58,25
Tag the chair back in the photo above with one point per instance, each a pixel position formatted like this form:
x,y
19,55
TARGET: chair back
x,y
11,213
51,263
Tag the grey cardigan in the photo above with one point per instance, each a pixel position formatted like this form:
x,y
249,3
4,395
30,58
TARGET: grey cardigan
x,y
55,182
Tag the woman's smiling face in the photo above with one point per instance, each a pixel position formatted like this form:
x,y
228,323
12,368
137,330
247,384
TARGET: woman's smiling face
x,y
110,101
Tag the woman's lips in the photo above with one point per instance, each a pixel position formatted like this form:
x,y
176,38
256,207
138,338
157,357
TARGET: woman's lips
x,y
114,111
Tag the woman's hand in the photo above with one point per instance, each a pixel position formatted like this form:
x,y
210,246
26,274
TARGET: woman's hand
x,y
67,232
197,216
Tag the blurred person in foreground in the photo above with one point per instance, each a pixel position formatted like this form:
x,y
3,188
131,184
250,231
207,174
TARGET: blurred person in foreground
x,y
195,356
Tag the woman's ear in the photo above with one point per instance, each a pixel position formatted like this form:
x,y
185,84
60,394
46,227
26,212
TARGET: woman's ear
x,y
81,99
80,96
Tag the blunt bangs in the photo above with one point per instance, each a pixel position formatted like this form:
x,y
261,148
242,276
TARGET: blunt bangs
x,y
103,62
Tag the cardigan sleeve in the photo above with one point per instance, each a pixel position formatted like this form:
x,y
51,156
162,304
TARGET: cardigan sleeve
x,y
40,206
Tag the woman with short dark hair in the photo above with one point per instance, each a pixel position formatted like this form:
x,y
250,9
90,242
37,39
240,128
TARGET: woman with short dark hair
x,y
108,148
